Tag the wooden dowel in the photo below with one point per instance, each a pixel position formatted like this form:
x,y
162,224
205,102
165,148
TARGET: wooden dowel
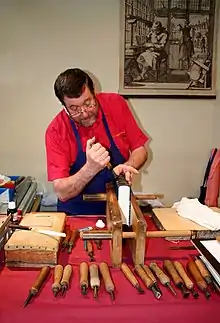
x,y
107,235
102,197
148,196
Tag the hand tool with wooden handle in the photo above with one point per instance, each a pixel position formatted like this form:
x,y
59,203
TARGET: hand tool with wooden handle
x,y
169,267
163,278
90,250
152,277
131,278
37,284
200,282
109,285
42,231
204,271
72,241
147,280
84,277
66,239
94,279
65,282
58,273
99,244
188,282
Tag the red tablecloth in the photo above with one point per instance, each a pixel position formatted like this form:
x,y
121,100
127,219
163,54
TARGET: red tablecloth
x,y
129,306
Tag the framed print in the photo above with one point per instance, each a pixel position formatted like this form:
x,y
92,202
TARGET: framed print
x,y
168,47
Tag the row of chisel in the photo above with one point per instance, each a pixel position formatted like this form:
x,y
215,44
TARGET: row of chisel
x,y
172,271
151,275
89,277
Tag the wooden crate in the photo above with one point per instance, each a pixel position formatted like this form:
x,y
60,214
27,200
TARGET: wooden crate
x,y
34,249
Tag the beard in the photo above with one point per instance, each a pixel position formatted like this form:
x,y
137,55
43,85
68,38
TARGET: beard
x,y
89,120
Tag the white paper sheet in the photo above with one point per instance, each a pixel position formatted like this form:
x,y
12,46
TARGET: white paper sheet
x,y
213,246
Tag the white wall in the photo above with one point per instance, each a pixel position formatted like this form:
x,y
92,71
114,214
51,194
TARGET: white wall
x,y
38,40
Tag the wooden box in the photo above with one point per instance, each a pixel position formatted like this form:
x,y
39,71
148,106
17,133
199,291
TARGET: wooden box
x,y
34,249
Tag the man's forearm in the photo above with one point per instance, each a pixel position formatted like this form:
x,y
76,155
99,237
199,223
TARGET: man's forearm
x,y
69,187
137,158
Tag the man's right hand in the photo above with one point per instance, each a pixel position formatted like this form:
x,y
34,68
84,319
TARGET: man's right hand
x,y
97,156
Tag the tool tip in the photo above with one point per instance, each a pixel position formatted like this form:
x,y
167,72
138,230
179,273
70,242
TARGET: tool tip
x,y
207,294
171,289
112,294
140,289
95,293
186,294
195,294
83,290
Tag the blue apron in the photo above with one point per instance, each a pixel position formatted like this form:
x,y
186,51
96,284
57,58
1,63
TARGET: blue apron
x,y
76,205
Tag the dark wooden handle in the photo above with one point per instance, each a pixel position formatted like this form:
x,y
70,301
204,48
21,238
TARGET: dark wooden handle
x,y
181,271
194,271
41,278
104,270
84,273
144,277
89,247
169,267
74,236
129,275
68,235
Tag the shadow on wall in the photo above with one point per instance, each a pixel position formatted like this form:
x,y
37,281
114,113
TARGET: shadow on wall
x,y
97,84
137,179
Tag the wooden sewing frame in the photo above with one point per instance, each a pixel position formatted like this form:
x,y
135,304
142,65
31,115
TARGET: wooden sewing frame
x,y
137,233
115,225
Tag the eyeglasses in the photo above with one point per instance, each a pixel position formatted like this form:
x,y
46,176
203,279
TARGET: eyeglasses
x,y
76,111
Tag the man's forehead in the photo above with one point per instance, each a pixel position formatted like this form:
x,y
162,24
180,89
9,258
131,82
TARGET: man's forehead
x,y
86,94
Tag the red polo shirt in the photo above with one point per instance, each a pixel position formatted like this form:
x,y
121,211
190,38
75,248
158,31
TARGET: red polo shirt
x,y
61,147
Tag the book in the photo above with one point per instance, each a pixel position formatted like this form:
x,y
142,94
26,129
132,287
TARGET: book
x,y
123,192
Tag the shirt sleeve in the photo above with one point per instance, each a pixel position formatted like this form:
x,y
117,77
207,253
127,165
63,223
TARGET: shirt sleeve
x,y
135,136
57,157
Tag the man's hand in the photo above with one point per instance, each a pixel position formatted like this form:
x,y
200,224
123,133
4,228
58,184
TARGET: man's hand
x,y
127,170
97,156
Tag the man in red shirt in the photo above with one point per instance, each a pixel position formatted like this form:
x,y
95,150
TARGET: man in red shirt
x,y
90,131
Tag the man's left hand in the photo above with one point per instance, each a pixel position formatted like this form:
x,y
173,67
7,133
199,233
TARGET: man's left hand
x,y
127,170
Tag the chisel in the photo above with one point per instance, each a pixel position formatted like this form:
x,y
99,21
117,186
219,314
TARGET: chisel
x,y
147,281
109,285
178,281
200,282
65,282
84,280
94,279
188,282
163,278
58,273
38,284
131,278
